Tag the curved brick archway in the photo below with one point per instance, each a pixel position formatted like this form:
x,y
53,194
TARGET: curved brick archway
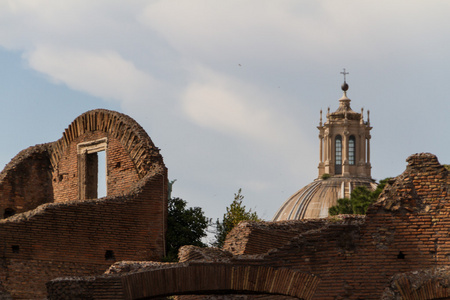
x,y
120,126
219,278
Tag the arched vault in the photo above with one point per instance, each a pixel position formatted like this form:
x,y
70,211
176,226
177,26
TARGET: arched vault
x,y
198,278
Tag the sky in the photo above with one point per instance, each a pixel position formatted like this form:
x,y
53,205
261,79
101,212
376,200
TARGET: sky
x,y
230,91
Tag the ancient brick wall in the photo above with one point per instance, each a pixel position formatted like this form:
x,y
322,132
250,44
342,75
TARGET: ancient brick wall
x,y
120,170
130,154
405,231
92,233
26,279
190,278
55,232
25,183
259,237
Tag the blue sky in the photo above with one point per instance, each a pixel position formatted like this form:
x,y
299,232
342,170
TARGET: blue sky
x,y
230,90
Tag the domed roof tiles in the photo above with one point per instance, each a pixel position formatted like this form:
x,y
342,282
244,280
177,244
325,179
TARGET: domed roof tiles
x,y
314,200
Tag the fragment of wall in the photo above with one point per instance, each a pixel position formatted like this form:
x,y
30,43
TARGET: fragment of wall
x,y
250,237
25,182
121,172
430,283
130,153
72,237
187,279
92,233
405,231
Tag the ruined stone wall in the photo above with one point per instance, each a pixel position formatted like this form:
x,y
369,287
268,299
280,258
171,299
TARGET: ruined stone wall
x,y
406,230
120,170
260,237
130,154
26,279
55,232
25,183
348,257
86,236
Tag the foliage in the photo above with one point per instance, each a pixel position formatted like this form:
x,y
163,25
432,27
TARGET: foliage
x,y
360,200
236,213
185,226
447,167
325,176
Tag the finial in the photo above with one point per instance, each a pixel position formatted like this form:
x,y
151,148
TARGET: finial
x,y
361,121
328,111
344,86
320,117
368,116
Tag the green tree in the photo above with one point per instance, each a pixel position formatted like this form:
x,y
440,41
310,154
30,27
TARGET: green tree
x,y
236,213
185,226
360,200
447,167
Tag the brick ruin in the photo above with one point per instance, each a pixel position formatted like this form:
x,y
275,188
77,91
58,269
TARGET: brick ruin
x,y
399,250
54,226
52,223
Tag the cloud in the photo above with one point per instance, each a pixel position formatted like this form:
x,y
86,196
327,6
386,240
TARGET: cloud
x,y
158,36
218,102
300,30
106,74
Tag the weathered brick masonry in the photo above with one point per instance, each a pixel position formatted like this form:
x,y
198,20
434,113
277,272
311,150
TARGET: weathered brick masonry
x,y
399,250
59,228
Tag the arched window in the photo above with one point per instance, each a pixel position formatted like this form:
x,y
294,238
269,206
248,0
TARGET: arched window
x,y
338,155
352,150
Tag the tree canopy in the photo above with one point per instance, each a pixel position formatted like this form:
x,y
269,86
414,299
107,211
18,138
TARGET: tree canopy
x,y
236,213
185,226
360,200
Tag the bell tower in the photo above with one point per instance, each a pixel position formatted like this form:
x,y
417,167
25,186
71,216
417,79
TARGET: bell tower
x,y
344,141
344,159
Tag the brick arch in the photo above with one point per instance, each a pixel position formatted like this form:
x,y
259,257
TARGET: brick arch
x,y
120,126
219,278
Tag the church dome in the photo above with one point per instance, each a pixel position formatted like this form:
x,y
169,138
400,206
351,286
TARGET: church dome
x,y
314,200
344,160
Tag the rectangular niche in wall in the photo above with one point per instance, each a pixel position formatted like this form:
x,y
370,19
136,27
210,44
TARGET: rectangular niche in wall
x,y
92,171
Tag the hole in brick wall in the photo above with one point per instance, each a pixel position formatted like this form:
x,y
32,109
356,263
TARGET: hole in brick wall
x,y
118,164
15,248
92,169
94,174
8,212
401,255
109,255
101,184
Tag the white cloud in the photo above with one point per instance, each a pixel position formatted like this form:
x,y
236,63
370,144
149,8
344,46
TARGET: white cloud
x,y
214,107
254,30
105,75
157,35
216,101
